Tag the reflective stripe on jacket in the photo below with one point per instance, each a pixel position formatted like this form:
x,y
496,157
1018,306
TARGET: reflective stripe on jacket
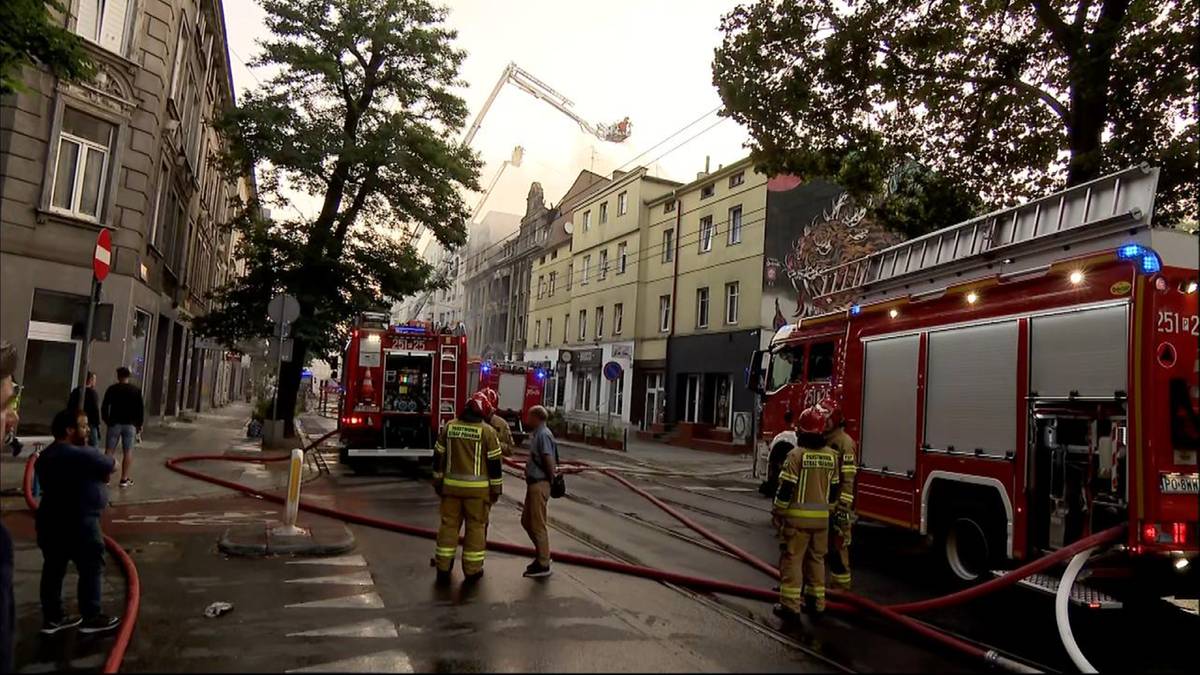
x,y
808,486
466,460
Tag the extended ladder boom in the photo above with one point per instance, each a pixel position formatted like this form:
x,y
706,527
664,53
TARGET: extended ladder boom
x,y
1121,200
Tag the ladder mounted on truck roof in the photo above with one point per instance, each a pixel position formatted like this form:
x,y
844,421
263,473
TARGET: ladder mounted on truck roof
x,y
1116,203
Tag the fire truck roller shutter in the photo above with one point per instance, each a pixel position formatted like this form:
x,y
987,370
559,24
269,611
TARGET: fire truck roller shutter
x,y
1085,351
971,391
511,391
889,391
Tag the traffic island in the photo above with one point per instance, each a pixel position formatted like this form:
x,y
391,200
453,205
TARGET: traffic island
x,y
322,538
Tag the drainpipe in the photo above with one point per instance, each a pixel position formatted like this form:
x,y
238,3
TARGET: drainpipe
x,y
674,283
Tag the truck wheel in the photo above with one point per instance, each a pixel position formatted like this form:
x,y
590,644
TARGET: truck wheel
x,y
965,547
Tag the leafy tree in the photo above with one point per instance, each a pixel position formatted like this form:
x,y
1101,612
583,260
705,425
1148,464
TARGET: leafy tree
x,y
1009,98
31,36
359,114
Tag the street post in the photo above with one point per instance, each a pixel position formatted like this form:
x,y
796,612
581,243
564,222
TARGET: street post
x,y
101,262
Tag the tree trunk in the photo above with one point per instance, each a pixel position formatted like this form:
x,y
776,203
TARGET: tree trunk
x,y
1089,110
288,385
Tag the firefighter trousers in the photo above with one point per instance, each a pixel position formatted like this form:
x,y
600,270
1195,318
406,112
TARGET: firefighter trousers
x,y
802,566
455,511
839,558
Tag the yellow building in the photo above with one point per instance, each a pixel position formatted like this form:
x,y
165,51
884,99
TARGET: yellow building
x,y
604,276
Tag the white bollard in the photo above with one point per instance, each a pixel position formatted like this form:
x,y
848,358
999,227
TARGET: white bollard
x,y
292,506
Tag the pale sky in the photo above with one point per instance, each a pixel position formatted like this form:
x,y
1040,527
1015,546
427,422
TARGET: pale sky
x,y
646,59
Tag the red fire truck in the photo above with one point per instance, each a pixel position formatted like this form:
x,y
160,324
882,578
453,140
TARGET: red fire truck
x,y
402,383
1015,382
519,386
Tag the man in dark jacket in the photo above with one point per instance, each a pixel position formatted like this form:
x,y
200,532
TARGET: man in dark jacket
x,y
73,480
8,420
123,412
91,406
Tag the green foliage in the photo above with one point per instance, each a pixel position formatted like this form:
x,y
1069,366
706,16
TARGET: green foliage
x,y
361,114
1004,99
31,36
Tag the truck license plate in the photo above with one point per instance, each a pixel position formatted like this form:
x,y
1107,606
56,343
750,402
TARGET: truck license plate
x,y
1179,483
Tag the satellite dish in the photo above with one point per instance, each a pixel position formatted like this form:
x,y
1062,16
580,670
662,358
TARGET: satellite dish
x,y
569,227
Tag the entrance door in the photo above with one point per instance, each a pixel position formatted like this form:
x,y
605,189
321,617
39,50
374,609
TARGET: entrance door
x,y
692,400
654,397
51,368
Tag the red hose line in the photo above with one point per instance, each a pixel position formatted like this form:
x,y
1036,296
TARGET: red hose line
x,y
133,584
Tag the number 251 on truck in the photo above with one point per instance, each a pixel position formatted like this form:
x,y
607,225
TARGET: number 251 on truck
x,y
1015,382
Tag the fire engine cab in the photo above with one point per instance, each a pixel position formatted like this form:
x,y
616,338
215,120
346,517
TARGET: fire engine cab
x,y
1015,382
520,386
402,383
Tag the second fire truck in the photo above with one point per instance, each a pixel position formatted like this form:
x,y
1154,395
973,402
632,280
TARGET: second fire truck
x,y
519,386
1016,382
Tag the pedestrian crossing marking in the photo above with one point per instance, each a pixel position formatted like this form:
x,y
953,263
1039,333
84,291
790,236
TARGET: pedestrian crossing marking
x,y
340,561
362,578
375,628
391,661
360,601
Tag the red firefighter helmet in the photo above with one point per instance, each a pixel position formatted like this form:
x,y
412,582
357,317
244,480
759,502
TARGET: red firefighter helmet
x,y
492,397
479,404
832,404
813,420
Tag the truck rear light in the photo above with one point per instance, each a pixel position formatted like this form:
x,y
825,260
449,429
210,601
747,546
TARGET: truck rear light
x,y
1167,533
1178,533
355,420
1150,533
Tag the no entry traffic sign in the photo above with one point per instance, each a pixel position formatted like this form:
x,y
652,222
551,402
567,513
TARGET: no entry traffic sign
x,y
103,256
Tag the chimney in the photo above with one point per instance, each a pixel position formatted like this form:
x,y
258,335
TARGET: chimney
x,y
704,173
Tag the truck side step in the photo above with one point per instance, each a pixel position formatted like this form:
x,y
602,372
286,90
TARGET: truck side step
x,y
1081,594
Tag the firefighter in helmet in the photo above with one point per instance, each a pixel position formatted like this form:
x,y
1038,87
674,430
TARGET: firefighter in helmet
x,y
808,485
841,523
503,432
466,475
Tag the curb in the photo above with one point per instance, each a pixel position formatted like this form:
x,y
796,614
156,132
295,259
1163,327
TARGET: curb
x,y
256,541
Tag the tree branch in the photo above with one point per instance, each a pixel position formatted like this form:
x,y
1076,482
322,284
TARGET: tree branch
x,y
1063,35
1081,15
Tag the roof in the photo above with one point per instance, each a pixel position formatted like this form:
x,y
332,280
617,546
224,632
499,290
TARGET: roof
x,y
739,165
586,184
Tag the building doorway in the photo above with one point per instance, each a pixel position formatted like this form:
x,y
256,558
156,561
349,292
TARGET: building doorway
x,y
50,372
654,400
691,399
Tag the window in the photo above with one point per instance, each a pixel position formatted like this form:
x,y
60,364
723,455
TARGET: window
x,y
583,324
181,48
103,22
603,266
537,332
669,206
616,396
708,190
603,213
541,280
587,220
735,225
820,361
737,179
622,204
570,275
702,307
553,280
664,313
549,330
668,245
587,265
618,318
566,326
82,169
599,322
621,262
542,260
731,303
706,234
554,254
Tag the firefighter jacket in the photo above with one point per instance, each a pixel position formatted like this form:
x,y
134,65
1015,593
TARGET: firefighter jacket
x,y
808,486
504,433
844,446
466,460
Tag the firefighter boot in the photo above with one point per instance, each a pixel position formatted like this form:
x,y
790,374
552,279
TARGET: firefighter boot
x,y
787,614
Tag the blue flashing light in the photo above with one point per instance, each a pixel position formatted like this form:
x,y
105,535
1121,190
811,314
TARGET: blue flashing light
x,y
855,310
1147,259
486,366
541,374
410,330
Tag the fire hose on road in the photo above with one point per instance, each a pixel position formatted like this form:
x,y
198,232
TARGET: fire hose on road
x,y
841,601
133,588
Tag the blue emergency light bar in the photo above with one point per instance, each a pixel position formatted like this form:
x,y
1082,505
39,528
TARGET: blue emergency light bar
x,y
409,330
1148,260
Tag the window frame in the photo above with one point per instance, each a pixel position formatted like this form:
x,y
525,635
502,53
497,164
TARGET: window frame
x,y
702,306
541,280
708,232
582,325
602,265
664,313
566,328
587,220
553,280
600,322
737,179
537,331
603,217
618,317
708,191
736,304
731,230
669,207
587,264
81,159
622,203
668,244
622,249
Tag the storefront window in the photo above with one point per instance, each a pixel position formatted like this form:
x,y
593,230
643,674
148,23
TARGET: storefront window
x,y
137,351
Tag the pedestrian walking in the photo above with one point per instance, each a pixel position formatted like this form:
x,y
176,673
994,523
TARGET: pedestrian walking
x,y
123,412
539,474
74,493
808,485
90,405
8,421
467,476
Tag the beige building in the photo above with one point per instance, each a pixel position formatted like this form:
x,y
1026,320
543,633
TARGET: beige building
x,y
604,276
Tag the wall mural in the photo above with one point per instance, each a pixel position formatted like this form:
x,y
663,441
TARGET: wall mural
x,y
811,227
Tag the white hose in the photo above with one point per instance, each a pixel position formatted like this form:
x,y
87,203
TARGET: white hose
x,y
1062,601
